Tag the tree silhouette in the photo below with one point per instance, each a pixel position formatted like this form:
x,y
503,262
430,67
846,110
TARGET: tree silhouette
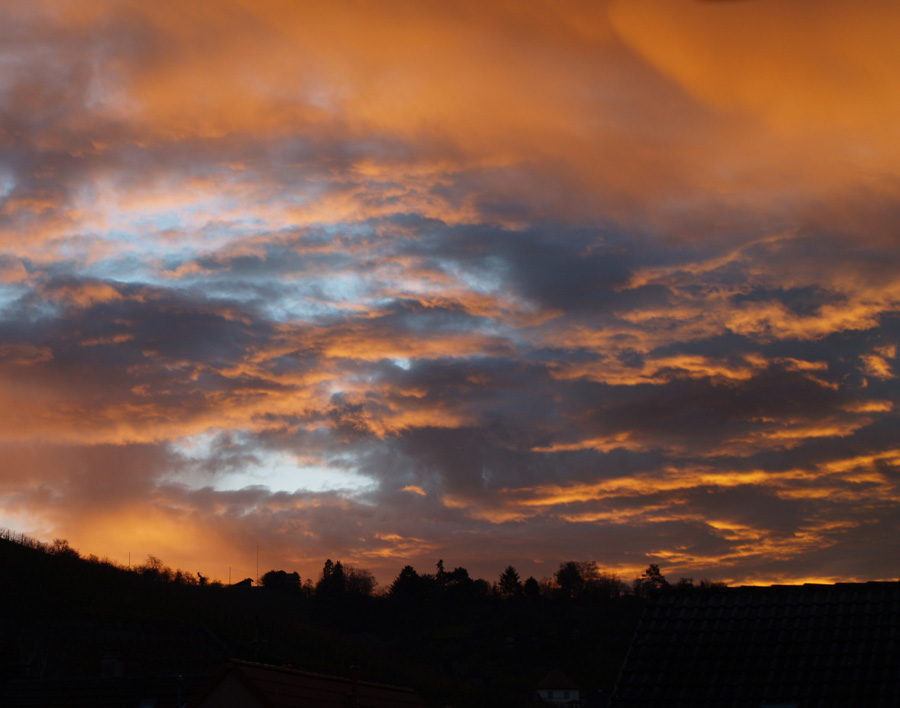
x,y
154,569
408,583
61,547
359,581
440,574
569,579
510,585
651,583
333,582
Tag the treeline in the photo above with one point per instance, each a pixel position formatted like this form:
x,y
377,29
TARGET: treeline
x,y
152,568
572,580
460,640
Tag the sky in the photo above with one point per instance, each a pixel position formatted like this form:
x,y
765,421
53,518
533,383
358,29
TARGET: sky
x,y
493,283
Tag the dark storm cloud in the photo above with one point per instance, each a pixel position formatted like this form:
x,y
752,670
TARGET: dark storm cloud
x,y
703,411
802,301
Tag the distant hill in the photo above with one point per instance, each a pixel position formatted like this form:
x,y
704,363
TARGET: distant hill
x,y
453,639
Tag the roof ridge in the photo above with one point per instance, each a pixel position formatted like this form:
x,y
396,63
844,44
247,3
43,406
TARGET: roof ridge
x,y
315,674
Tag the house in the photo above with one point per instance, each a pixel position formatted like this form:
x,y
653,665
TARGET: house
x,y
787,646
244,684
556,689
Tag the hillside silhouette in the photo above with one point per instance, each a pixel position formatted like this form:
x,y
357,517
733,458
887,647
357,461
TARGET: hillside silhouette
x,y
457,640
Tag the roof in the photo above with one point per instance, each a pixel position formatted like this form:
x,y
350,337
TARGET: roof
x,y
808,645
277,687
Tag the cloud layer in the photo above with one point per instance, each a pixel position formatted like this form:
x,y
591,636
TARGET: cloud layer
x,y
505,284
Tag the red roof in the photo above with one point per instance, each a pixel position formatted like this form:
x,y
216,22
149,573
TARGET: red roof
x,y
281,687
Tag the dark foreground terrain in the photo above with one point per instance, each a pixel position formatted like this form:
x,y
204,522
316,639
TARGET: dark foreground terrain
x,y
457,641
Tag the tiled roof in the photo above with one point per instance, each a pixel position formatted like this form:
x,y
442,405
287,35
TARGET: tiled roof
x,y
281,687
807,645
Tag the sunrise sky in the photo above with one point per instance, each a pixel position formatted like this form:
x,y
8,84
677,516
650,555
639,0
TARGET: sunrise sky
x,y
491,282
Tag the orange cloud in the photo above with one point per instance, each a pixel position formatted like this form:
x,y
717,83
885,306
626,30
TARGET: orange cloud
x,y
802,67
877,364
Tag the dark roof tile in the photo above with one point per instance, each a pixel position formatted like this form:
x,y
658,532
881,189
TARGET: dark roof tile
x,y
813,645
